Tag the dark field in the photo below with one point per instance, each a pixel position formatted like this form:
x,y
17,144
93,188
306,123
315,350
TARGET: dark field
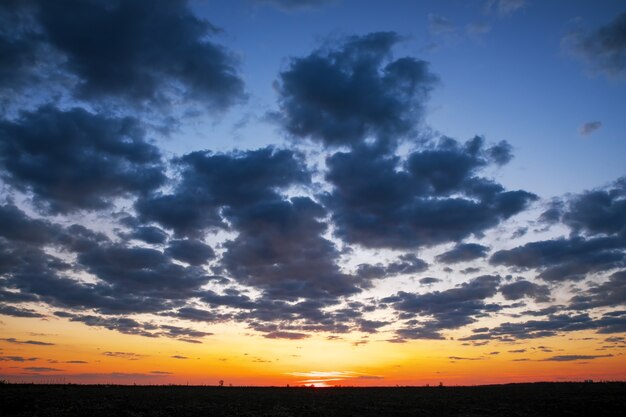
x,y
541,399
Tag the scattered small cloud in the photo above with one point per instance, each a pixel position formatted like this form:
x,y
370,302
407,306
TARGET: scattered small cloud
x,y
26,342
589,127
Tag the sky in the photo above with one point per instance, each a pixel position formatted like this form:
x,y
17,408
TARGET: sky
x,y
312,192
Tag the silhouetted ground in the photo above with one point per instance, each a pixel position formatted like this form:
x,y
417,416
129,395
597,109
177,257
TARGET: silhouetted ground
x,y
541,399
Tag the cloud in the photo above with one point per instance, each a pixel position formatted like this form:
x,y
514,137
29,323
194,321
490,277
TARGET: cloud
x,y
8,310
432,197
553,325
138,270
75,159
280,249
569,358
16,359
603,49
41,369
565,259
463,252
130,326
429,280
589,127
210,182
190,251
124,355
439,25
522,288
19,49
600,211
344,94
286,335
26,342
138,53
611,293
406,264
450,309
148,234
505,7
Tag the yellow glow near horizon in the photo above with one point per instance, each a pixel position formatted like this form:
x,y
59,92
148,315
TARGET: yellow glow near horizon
x,y
94,355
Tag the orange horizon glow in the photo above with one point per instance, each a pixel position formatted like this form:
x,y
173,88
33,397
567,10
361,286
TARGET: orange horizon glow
x,y
74,353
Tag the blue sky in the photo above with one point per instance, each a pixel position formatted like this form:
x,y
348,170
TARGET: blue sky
x,y
514,80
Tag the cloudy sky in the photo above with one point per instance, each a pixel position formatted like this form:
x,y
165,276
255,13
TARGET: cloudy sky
x,y
312,191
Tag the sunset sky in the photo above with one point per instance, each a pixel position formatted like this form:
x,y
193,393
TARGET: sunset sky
x,y
326,192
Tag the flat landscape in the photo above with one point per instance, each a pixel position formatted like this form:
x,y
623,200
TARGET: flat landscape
x,y
538,399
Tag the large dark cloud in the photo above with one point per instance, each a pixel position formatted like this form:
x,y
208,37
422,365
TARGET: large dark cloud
x,y
344,94
553,325
191,251
138,270
280,249
433,197
74,159
138,51
565,259
611,293
19,48
598,211
211,182
604,49
597,220
447,309
523,288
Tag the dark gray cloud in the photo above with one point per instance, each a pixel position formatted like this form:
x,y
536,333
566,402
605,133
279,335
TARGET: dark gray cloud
x,y
138,51
130,326
433,197
26,342
74,159
553,325
565,259
601,211
450,309
611,293
522,288
429,280
344,94
16,359
569,358
147,234
137,270
210,182
405,264
125,355
280,249
9,310
463,252
604,49
597,219
286,335
41,369
19,49
190,251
